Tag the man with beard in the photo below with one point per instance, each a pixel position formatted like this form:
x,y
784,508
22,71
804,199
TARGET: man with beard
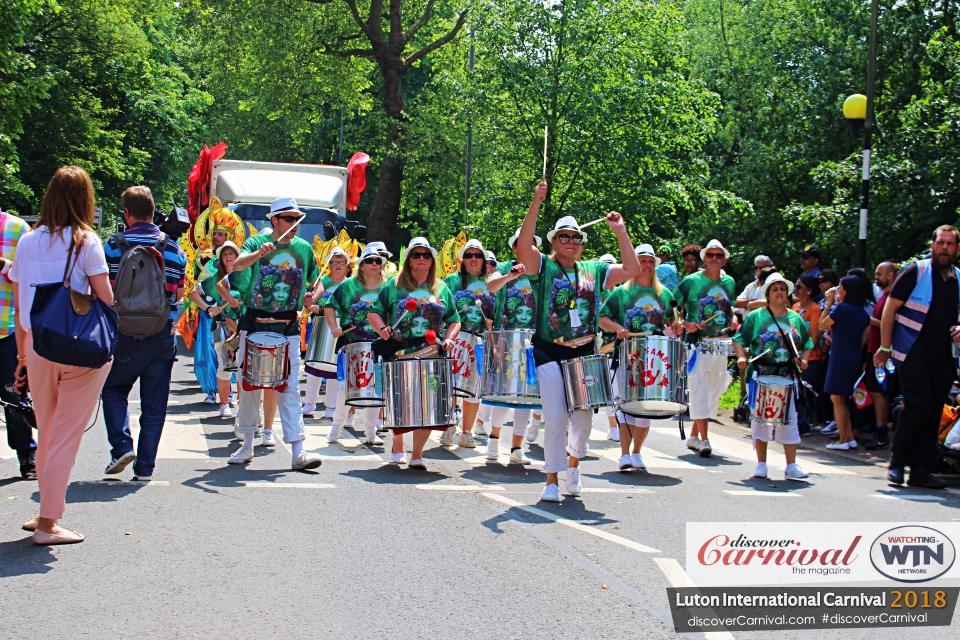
x,y
917,331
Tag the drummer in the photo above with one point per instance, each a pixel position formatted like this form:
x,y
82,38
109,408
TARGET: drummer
x,y
207,298
272,277
705,297
435,316
607,340
641,305
567,307
351,302
774,333
473,288
340,270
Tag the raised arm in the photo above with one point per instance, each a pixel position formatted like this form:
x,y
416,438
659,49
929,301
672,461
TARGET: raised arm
x,y
629,267
527,253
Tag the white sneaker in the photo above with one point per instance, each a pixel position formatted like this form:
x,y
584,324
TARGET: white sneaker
x,y
614,434
853,444
479,429
466,440
350,418
334,435
573,481
232,398
381,425
839,446
328,414
269,440
693,443
372,437
399,458
704,449
626,462
226,411
533,430
307,409
518,457
493,449
446,438
241,456
761,470
210,399
638,461
304,460
794,472
551,493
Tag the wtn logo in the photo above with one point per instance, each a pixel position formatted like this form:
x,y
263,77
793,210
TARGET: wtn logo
x,y
912,554
899,554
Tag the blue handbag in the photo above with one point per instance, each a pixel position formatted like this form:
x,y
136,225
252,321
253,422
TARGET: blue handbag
x,y
72,328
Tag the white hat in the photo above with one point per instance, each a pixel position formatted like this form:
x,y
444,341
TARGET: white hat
x,y
371,252
380,247
283,205
608,258
713,244
771,279
491,256
229,244
516,236
421,242
566,223
472,244
338,251
647,250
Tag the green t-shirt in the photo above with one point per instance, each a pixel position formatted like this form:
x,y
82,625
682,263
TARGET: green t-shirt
x,y
516,301
352,302
434,310
638,308
706,299
209,288
465,298
276,283
329,287
759,334
559,289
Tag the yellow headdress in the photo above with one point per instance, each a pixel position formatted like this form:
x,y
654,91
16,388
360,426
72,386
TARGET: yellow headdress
x,y
217,217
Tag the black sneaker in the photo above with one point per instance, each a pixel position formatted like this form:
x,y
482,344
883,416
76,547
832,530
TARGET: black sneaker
x,y
895,475
920,478
805,431
28,465
876,444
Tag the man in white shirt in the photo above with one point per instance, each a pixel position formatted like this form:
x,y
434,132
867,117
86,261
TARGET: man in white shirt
x,y
752,291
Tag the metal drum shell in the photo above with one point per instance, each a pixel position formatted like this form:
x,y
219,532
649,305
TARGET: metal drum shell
x,y
265,359
322,348
772,405
230,359
717,347
646,362
586,382
363,376
418,393
463,360
504,379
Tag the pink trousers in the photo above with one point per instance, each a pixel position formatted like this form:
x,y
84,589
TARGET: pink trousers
x,y
64,399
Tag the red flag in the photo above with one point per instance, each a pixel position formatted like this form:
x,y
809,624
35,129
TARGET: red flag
x,y
861,397
198,185
356,179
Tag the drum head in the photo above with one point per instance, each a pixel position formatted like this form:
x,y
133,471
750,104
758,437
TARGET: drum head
x,y
652,408
266,339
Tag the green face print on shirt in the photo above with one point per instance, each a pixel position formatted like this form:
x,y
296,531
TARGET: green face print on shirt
x,y
707,302
565,290
759,334
352,301
466,296
434,310
638,309
516,301
276,282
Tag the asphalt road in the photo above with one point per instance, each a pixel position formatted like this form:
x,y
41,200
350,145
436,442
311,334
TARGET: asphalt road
x,y
363,548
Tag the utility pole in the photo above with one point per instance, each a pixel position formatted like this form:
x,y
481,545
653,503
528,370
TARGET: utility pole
x,y
867,138
340,156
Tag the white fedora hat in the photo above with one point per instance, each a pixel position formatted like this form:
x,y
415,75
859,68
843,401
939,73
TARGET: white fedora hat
x,y
473,243
566,223
421,242
647,250
713,244
513,239
773,278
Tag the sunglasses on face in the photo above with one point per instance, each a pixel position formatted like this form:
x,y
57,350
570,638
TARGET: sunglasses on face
x,y
287,219
492,263
565,239
421,255
376,261
715,256
822,280
473,256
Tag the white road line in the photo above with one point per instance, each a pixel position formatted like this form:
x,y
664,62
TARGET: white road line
x,y
121,483
765,494
182,439
460,487
910,498
287,485
655,459
599,533
679,579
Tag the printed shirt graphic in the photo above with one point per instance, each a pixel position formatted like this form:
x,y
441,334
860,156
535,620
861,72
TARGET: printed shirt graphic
x,y
276,282
516,301
209,288
465,298
553,311
704,299
638,308
434,310
667,275
329,288
759,334
352,302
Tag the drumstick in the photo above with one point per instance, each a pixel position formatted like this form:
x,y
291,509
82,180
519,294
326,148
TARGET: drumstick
x,y
757,357
703,322
592,222
295,224
546,129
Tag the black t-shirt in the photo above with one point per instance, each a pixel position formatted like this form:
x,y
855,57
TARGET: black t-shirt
x,y
934,339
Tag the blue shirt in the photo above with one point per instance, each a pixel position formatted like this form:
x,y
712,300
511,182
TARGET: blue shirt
x,y
174,260
667,275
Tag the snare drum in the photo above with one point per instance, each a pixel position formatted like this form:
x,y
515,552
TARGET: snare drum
x,y
363,376
504,379
586,382
418,393
653,377
321,350
717,347
772,404
265,359
466,374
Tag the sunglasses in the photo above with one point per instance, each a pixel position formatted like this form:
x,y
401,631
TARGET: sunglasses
x,y
473,256
821,280
421,255
288,219
715,255
565,239
372,261
492,263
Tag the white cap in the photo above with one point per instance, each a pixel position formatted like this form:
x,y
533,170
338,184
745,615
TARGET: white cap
x,y
473,243
771,279
713,244
229,244
516,236
608,258
421,242
370,252
380,247
646,250
338,251
566,223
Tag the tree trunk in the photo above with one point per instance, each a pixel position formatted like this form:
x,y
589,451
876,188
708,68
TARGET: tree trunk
x,y
386,206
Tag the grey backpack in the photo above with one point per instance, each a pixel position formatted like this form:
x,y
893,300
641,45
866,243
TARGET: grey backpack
x,y
139,290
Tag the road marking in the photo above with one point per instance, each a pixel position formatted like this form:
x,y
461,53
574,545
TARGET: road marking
x,y
910,498
655,459
679,579
315,441
287,485
460,487
608,490
121,483
766,494
183,438
599,533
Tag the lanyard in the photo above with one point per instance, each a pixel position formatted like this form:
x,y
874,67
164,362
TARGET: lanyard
x,y
575,283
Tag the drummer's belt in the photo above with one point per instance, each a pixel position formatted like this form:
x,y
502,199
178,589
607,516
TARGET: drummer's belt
x,y
576,342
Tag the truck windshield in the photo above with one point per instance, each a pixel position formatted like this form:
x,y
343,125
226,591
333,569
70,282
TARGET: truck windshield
x,y
325,223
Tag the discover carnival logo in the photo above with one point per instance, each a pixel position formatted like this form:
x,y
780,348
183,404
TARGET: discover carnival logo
x,y
912,554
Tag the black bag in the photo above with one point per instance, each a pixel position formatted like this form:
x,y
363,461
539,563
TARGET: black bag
x,y
805,396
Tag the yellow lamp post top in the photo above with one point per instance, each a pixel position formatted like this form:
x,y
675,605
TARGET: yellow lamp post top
x,y
855,107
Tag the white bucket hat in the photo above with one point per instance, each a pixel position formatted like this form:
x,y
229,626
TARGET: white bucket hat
x,y
338,251
566,223
516,236
283,205
713,244
491,256
380,247
774,278
472,244
647,250
371,252
229,244
421,242
607,258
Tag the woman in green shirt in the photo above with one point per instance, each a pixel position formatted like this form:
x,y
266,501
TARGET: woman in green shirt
x,y
435,312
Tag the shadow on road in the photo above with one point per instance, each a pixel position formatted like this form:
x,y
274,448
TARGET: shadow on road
x,y
22,557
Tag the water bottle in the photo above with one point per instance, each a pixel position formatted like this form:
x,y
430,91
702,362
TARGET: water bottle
x,y
531,365
341,366
478,353
881,374
378,377
890,367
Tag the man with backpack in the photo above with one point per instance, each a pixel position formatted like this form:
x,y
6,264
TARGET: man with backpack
x,y
147,272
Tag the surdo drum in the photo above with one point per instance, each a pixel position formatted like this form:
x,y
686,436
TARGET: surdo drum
x,y
466,374
652,376
418,393
321,351
265,359
586,382
363,376
717,347
504,380
771,407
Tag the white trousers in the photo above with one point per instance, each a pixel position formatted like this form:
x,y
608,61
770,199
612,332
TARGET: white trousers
x,y
288,402
707,382
311,392
368,417
563,433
